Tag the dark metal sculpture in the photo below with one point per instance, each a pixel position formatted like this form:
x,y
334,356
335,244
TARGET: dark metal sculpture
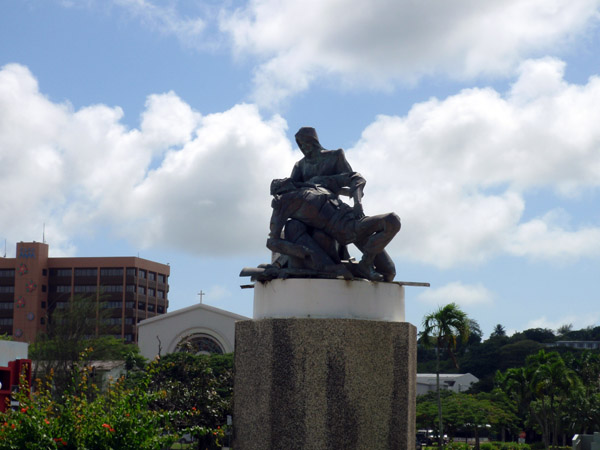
x,y
311,227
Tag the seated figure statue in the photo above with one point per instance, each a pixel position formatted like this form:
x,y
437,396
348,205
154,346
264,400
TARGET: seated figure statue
x,y
311,227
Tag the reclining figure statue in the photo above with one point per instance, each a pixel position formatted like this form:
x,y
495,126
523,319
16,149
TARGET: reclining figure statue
x,y
319,221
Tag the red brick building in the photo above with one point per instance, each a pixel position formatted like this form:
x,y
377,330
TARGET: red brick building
x,y
32,285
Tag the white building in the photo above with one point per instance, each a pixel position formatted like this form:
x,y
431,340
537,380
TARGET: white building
x,y
205,328
10,351
457,382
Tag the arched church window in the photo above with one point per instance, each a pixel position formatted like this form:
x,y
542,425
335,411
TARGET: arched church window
x,y
199,343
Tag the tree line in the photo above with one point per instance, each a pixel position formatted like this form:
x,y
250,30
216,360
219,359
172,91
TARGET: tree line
x,y
528,385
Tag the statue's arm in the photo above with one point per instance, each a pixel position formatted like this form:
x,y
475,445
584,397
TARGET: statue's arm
x,y
277,221
296,173
342,164
349,184
355,186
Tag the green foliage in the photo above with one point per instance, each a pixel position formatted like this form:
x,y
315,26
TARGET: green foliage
x,y
515,354
443,328
464,412
499,331
127,416
71,333
541,335
199,383
120,419
551,394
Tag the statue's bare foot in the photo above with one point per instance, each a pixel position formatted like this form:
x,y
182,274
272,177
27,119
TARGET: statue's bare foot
x,y
368,271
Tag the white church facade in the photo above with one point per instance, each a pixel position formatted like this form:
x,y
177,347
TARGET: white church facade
x,y
201,328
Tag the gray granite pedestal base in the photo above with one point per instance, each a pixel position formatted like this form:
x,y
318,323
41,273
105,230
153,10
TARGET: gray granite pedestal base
x,y
324,384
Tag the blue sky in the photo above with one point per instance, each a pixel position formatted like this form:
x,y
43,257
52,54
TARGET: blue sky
x,y
154,128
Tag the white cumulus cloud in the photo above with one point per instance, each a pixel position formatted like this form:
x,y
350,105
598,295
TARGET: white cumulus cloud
x,y
578,321
182,180
458,170
378,42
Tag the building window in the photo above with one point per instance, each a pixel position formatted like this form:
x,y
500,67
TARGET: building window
x,y
62,288
5,305
85,288
129,305
151,276
7,273
111,288
128,320
7,289
112,321
113,305
128,337
141,290
161,294
130,288
43,305
43,321
142,273
161,278
111,272
131,271
61,305
151,292
142,305
44,288
86,272
150,308
160,309
60,272
44,272
6,321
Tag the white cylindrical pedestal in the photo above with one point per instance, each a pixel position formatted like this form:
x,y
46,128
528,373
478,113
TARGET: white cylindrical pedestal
x,y
332,299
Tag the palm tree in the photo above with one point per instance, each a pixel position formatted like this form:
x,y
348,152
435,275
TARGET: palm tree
x,y
442,328
544,389
499,331
552,384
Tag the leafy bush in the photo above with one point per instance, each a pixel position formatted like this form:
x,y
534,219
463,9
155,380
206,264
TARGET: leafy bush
x,y
124,417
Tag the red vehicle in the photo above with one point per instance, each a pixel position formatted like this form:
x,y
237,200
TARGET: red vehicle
x,y
9,381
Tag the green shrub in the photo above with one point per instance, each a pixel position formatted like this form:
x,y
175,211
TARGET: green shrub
x,y
84,418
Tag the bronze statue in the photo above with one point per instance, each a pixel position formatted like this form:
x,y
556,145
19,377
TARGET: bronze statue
x,y
311,227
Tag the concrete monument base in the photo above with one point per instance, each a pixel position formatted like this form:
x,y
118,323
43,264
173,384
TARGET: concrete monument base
x,y
306,383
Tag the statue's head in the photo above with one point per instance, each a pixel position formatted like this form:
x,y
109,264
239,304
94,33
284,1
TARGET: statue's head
x,y
282,185
308,141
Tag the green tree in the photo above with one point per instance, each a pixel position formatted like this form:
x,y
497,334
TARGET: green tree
x,y
197,389
467,412
564,329
552,383
585,408
442,329
73,338
499,331
543,390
